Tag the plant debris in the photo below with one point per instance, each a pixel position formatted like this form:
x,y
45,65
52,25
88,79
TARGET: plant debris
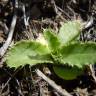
x,y
32,17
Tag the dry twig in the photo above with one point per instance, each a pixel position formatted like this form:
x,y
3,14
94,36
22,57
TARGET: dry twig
x,y
53,84
9,39
11,31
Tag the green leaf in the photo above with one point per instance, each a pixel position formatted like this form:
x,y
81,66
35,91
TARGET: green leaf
x,y
51,38
69,31
78,54
23,52
67,73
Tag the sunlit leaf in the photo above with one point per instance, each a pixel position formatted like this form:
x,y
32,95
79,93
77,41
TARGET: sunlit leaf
x,y
69,31
51,38
78,54
27,52
56,49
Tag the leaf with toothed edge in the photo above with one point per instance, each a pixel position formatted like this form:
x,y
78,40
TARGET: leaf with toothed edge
x,y
78,54
23,52
69,31
75,55
59,49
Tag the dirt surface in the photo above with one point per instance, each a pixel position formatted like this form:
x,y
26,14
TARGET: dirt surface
x,y
32,17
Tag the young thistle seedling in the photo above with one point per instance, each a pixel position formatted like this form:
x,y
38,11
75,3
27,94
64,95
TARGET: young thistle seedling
x,y
68,56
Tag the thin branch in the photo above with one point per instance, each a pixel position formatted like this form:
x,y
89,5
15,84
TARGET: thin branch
x,y
89,23
53,84
26,19
10,78
5,46
5,28
9,39
59,13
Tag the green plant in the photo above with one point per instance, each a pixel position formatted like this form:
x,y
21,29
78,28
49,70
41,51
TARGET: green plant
x,y
67,55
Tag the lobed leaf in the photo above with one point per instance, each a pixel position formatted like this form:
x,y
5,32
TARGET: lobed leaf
x,y
27,52
78,54
69,31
